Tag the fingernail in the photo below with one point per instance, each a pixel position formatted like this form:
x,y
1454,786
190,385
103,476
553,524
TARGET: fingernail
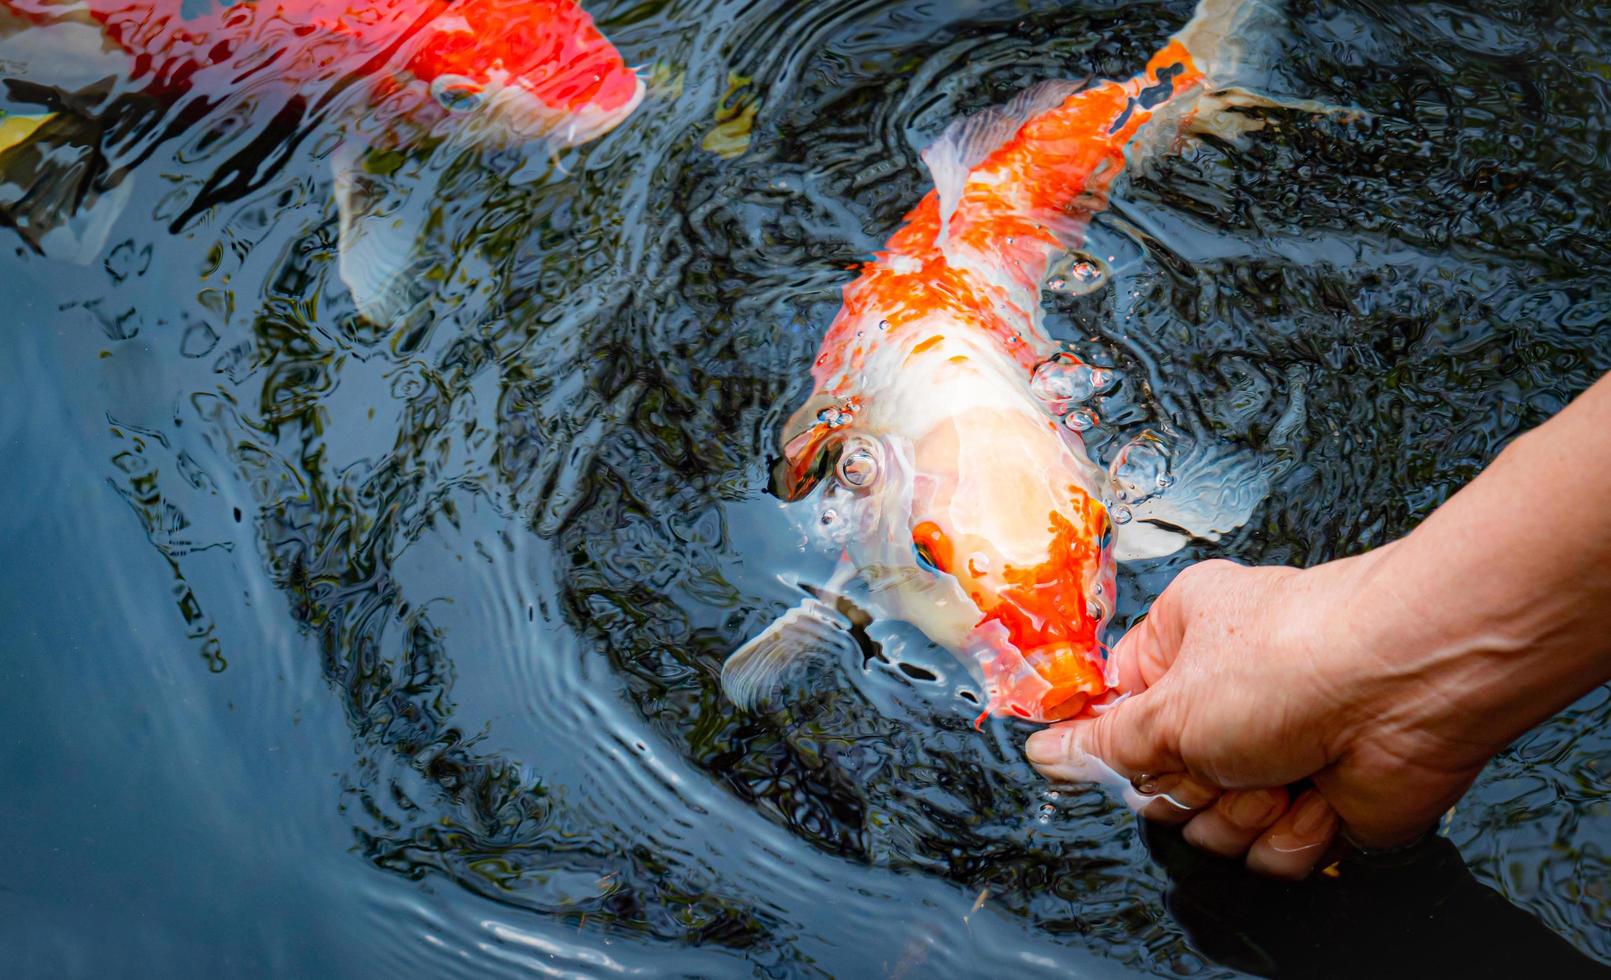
x,y
1176,788
1310,826
1253,808
1045,747
1313,817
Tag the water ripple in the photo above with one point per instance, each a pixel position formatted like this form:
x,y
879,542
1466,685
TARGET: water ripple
x,y
520,527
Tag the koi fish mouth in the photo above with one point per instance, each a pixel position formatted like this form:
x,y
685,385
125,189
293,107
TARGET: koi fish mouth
x,y
1043,685
1038,568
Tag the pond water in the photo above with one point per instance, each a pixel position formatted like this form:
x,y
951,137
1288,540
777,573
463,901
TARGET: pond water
x,y
332,650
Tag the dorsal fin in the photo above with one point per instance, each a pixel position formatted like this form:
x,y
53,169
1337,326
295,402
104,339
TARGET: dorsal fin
x,y
967,142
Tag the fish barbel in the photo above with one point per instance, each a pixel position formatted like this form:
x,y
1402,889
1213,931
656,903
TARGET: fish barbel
x,y
933,451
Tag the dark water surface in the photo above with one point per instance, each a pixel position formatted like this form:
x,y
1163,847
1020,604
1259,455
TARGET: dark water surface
x,y
332,650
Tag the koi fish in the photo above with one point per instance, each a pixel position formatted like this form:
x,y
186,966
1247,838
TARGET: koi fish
x,y
539,65
488,72
939,450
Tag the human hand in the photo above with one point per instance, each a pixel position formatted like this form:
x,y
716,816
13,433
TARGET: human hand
x,y
1245,680
1386,680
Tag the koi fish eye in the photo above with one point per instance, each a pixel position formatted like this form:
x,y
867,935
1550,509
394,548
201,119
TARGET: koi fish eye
x,y
932,548
455,93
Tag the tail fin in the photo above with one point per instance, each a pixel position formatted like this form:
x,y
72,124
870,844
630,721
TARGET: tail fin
x,y
1237,45
1235,42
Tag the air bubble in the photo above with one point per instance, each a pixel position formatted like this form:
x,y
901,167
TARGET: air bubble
x,y
834,416
1081,420
1141,469
883,324
858,468
1121,514
829,516
1077,275
1064,381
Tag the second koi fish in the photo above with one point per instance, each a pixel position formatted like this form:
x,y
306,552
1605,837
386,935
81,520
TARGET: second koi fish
x,y
472,73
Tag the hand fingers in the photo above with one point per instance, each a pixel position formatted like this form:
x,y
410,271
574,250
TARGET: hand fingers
x,y
1122,743
1382,816
1172,799
1236,820
1291,848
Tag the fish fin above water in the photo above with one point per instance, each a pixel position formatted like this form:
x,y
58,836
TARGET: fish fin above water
x,y
811,630
377,238
967,142
1213,492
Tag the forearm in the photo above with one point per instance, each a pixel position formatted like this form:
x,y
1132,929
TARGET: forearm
x,y
1497,609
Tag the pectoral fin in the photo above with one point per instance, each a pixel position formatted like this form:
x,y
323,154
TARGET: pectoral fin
x,y
377,251
1140,540
811,630
1206,493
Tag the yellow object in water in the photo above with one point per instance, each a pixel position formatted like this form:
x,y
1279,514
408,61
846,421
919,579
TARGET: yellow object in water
x,y
15,129
735,115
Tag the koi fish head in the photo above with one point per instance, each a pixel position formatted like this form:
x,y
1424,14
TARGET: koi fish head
x,y
532,69
972,512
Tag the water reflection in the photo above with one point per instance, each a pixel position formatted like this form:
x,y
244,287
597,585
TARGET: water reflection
x,y
519,527
1415,913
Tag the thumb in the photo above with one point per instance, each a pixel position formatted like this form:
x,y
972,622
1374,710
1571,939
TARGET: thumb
x,y
1127,739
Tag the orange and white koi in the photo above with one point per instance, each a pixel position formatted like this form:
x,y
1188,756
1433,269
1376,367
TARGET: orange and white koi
x,y
539,65
936,449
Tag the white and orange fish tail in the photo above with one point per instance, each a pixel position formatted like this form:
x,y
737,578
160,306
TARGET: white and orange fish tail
x,y
1016,185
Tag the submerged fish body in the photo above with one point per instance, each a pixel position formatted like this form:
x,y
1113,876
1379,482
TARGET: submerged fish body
x,y
485,73
933,450
539,66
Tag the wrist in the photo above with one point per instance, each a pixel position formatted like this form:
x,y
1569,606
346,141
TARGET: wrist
x,y
1352,630
1469,666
